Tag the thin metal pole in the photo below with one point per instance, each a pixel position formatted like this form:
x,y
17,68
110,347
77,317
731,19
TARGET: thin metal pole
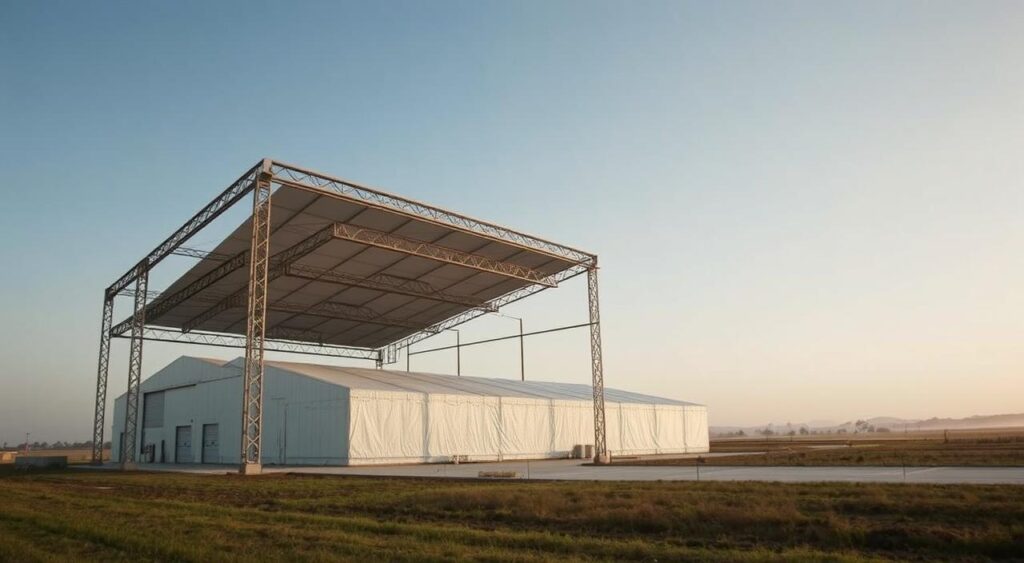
x,y
458,353
522,361
408,357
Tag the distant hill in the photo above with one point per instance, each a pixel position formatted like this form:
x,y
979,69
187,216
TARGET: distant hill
x,y
883,423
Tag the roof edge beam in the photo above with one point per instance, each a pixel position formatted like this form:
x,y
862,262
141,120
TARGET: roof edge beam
x,y
385,283
439,253
304,179
204,217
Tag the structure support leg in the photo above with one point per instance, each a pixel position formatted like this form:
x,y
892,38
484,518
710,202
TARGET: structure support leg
x,y
252,378
597,370
129,453
99,416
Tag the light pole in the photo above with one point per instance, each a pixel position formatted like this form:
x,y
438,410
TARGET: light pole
x,y
522,362
458,351
27,434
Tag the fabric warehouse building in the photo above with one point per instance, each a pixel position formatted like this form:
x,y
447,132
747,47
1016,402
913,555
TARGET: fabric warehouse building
x,y
330,415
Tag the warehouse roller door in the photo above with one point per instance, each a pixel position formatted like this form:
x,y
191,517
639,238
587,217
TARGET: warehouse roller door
x,y
211,443
183,444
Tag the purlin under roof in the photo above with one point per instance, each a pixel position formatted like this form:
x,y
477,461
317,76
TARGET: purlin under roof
x,y
323,296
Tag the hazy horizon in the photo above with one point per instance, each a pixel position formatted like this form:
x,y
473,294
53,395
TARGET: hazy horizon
x,y
802,210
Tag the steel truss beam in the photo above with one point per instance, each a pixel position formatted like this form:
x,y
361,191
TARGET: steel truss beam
x,y
385,283
101,381
131,411
597,369
280,261
304,179
437,252
226,199
255,332
160,307
278,340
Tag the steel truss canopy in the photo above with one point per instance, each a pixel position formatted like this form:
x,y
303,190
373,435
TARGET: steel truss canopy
x,y
325,266
353,266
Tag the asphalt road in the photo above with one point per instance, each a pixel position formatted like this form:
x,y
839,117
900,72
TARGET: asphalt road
x,y
573,470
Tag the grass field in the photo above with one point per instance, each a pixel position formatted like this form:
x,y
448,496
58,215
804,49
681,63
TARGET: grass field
x,y
110,516
1004,448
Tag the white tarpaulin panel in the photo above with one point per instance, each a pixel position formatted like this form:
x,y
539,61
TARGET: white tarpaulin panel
x,y
670,437
387,427
696,425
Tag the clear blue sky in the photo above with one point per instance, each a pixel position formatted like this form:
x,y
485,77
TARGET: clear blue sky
x,y
804,210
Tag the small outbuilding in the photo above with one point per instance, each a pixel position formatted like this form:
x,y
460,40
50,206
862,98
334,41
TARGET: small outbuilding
x,y
331,415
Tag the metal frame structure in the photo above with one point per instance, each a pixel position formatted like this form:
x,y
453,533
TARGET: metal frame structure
x,y
262,268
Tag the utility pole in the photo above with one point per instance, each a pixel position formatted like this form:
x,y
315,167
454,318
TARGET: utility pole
x,y
27,434
458,351
522,360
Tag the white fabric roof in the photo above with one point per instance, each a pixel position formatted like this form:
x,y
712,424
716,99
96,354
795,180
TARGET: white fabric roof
x,y
418,382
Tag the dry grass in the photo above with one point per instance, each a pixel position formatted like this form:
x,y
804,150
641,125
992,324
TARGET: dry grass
x,y
989,449
113,516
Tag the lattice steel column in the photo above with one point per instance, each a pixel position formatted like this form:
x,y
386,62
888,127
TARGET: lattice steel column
x,y
252,379
101,380
131,411
597,368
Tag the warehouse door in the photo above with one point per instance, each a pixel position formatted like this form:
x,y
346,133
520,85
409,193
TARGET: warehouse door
x,y
211,443
183,444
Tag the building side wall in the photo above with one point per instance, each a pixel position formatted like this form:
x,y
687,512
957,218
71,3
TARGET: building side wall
x,y
401,427
305,420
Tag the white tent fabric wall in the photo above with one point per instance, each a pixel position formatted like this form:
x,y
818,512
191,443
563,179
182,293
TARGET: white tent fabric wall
x,y
330,415
402,417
